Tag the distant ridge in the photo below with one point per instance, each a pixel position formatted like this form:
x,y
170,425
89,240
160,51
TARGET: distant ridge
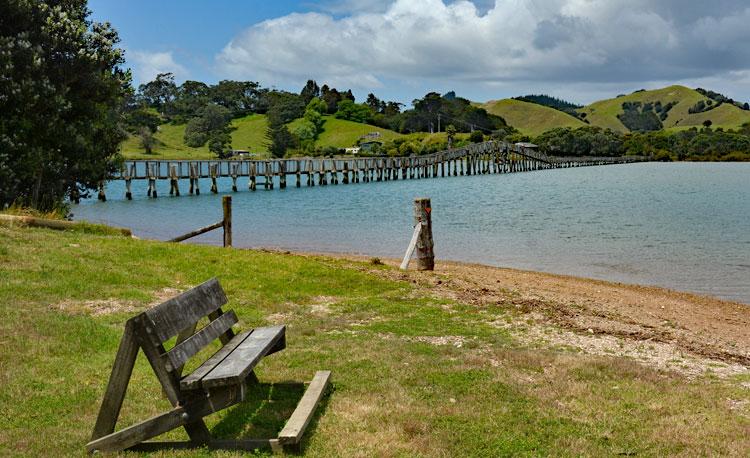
x,y
670,108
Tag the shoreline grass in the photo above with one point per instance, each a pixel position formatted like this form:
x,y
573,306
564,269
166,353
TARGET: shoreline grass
x,y
414,374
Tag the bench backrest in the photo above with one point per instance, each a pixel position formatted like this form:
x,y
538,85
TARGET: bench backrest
x,y
180,315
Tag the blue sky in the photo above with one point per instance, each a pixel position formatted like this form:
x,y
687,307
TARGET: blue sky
x,y
193,30
581,50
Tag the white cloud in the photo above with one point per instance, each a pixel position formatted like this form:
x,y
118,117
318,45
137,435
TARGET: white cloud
x,y
550,42
146,65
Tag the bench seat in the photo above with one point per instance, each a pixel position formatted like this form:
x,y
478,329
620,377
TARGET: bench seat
x,y
233,363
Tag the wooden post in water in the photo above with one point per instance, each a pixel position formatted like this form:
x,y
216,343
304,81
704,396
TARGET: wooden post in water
x,y
128,181
234,176
213,171
282,175
173,187
102,196
423,216
253,172
151,180
226,204
193,173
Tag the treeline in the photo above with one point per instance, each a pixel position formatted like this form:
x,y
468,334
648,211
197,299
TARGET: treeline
x,y
554,102
694,144
721,99
208,110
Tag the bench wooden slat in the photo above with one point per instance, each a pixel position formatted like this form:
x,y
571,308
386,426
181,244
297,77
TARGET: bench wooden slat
x,y
193,381
297,423
237,366
178,313
188,348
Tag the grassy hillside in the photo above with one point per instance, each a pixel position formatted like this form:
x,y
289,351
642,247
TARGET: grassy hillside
x,y
531,118
604,113
342,134
169,146
249,134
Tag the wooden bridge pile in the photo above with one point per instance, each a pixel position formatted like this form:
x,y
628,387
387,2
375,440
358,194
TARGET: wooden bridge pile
x,y
475,159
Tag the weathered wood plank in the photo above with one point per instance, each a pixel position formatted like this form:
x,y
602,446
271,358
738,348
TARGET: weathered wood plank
x,y
139,432
193,381
171,317
297,423
197,232
412,246
15,220
185,350
160,424
237,366
118,383
216,444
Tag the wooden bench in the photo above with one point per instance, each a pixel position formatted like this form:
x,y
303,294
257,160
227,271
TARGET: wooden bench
x,y
219,382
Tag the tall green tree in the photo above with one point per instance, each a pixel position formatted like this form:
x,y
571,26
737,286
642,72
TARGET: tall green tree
x,y
212,126
310,91
159,93
61,93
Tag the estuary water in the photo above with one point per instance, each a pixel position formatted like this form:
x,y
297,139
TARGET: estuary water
x,y
684,226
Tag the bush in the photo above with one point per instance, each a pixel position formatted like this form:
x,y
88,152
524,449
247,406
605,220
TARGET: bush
x,y
476,137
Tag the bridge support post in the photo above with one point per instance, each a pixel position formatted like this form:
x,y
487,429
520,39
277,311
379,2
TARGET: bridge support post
x,y
214,171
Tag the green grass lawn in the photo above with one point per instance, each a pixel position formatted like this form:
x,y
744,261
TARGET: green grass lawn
x,y
64,298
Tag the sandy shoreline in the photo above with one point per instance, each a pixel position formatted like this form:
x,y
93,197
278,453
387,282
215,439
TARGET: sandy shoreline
x,y
672,330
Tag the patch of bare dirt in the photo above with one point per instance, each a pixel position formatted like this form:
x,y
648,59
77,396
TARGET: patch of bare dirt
x,y
96,308
109,306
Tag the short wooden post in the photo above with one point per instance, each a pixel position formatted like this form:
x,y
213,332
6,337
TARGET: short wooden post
x,y
423,216
226,204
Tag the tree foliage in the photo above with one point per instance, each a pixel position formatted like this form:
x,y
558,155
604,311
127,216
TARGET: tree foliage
x,y
351,111
691,144
212,126
61,92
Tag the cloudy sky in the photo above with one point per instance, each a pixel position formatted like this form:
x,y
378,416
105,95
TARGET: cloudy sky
x,y
582,50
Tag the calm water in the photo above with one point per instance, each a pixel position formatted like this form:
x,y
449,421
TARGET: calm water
x,y
684,226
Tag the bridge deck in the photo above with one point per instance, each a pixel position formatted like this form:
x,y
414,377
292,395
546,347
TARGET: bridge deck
x,y
479,158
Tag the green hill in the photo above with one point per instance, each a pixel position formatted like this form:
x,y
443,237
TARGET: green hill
x,y
605,113
249,135
531,118
342,134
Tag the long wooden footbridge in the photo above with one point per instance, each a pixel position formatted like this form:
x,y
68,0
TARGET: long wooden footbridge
x,y
480,158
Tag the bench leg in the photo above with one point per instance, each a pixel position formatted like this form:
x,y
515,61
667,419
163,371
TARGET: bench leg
x,y
118,384
198,432
139,432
